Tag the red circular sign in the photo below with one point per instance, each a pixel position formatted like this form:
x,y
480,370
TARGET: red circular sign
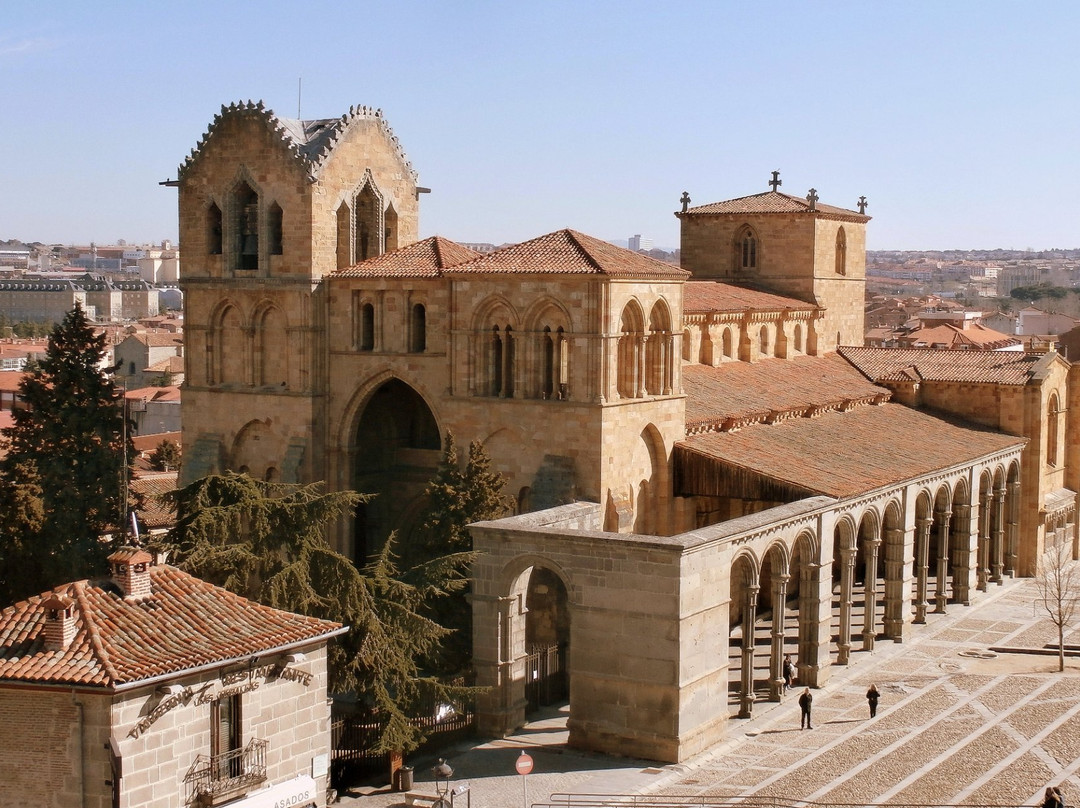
x,y
523,764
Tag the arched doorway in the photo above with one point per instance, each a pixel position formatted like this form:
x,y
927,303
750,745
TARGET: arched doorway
x,y
396,450
547,640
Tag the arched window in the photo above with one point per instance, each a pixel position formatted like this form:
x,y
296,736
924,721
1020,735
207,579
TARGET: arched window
x,y
495,365
746,249
344,241
367,327
629,380
547,364
763,340
841,252
658,363
213,230
798,338
1052,416
390,227
247,228
418,329
368,227
274,229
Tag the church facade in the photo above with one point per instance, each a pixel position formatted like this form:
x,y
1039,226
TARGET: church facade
x,y
699,435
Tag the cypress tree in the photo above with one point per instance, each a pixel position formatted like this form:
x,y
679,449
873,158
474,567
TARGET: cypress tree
x,y
65,448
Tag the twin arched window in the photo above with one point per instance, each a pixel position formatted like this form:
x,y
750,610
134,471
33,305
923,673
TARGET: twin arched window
x,y
746,249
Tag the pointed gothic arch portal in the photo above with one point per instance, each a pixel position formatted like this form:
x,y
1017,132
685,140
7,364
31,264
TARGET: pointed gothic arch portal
x,y
547,640
395,452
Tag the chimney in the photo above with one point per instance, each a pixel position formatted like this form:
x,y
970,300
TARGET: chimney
x,y
131,572
59,622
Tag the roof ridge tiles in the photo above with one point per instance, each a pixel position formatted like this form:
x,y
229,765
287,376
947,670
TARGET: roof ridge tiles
x,y
86,614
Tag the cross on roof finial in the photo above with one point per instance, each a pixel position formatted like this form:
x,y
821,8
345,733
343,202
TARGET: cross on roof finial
x,y
812,198
776,182
685,201
862,204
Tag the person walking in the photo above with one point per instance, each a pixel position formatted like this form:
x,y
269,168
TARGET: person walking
x,y
872,699
1052,798
789,673
805,701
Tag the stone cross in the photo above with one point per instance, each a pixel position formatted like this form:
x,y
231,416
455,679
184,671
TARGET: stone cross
x,y
776,182
812,198
685,201
862,204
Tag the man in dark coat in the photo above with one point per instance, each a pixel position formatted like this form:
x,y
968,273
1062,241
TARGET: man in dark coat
x,y
805,700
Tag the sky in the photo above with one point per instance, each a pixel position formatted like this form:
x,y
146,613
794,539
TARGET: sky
x,y
957,120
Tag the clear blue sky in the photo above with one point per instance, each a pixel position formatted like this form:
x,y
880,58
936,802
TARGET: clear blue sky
x,y
957,120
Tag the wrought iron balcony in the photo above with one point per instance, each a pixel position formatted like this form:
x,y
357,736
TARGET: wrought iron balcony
x,y
216,778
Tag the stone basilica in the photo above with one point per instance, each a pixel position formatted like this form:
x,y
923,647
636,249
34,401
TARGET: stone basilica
x,y
709,472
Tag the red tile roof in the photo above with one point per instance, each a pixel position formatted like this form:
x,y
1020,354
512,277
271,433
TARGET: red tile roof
x,y
568,252
838,454
980,367
154,514
11,379
973,336
706,296
423,259
774,202
738,393
185,623
170,393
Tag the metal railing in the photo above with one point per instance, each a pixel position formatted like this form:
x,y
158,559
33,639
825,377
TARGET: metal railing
x,y
212,777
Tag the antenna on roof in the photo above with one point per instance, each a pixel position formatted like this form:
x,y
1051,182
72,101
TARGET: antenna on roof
x,y
299,87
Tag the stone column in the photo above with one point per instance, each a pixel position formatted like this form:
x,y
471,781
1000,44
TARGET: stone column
x,y
641,353
984,540
501,704
893,620
815,623
776,662
872,547
847,574
998,564
922,538
941,593
962,570
1014,528
249,355
746,686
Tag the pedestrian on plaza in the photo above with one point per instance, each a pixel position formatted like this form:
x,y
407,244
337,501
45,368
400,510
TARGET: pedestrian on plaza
x,y
1052,798
789,672
1060,796
872,699
805,701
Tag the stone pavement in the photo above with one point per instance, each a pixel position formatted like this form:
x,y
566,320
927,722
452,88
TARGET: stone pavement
x,y
957,724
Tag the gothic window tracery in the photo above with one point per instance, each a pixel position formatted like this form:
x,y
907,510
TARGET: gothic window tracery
x,y
746,249
1052,416
501,362
631,352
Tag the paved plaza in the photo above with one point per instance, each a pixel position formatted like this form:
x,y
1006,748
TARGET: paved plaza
x,y
957,724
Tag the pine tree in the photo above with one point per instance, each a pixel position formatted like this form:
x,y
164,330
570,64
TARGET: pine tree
x,y
457,498
266,541
67,444
166,457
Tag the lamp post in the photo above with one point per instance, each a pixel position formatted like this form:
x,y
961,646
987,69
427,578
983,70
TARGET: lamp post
x,y
442,774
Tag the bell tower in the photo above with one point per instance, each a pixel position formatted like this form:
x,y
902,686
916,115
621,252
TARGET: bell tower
x,y
791,246
269,207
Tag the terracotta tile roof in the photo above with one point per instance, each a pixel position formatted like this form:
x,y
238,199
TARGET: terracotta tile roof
x,y
980,367
153,513
704,296
423,259
839,454
975,335
170,393
157,339
568,252
738,393
172,364
773,202
147,443
11,379
185,623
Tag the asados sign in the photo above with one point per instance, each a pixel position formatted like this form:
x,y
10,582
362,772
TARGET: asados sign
x,y
299,798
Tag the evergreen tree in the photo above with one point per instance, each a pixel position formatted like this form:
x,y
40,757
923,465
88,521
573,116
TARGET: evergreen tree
x,y
457,498
166,457
266,541
65,449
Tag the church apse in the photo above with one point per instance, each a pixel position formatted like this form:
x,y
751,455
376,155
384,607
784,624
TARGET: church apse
x,y
395,453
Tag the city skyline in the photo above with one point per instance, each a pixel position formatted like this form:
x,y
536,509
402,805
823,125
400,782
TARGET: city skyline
x,y
951,119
